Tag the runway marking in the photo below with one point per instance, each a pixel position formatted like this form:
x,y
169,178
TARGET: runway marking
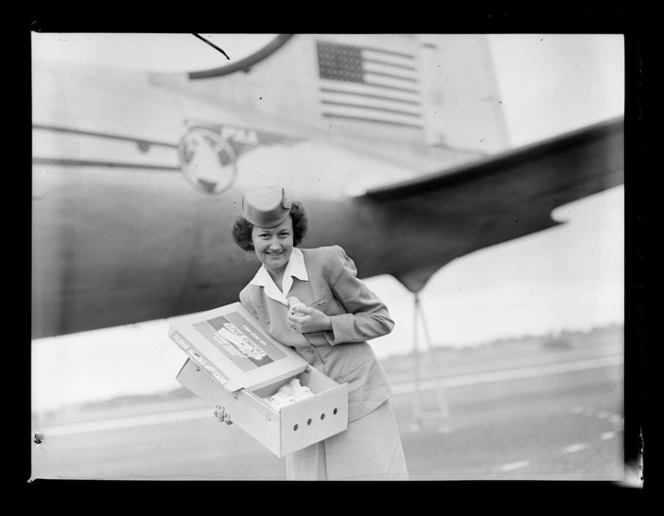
x,y
510,374
126,422
468,379
515,465
607,435
616,419
575,448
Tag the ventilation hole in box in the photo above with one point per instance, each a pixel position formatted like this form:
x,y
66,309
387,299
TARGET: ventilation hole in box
x,y
322,416
334,411
309,421
295,428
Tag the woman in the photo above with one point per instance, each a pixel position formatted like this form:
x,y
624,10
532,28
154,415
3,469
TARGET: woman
x,y
331,316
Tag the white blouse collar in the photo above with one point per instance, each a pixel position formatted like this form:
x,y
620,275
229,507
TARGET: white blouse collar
x,y
295,268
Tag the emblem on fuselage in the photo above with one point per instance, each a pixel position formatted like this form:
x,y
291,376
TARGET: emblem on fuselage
x,y
209,152
207,160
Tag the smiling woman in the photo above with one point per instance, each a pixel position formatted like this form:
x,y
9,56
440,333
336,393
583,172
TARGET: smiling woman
x,y
312,301
273,247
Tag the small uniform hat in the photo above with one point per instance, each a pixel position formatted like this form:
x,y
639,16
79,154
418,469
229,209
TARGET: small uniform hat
x,y
267,207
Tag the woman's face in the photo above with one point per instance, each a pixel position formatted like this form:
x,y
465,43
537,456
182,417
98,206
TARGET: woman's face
x,y
273,246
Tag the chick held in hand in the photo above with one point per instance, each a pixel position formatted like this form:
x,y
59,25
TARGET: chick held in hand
x,y
294,304
305,318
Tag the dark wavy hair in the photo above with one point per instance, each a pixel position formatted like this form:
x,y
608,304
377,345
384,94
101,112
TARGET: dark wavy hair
x,y
242,227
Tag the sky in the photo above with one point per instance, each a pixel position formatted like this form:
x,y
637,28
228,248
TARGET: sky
x,y
569,277
156,52
552,83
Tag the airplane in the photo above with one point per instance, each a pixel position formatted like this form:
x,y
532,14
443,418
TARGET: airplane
x,y
395,144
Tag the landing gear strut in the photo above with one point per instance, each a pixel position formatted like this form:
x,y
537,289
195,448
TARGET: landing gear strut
x,y
442,413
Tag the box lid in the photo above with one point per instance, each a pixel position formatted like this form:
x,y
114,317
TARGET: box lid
x,y
229,343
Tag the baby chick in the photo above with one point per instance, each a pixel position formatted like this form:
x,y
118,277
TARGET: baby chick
x,y
299,391
294,303
280,399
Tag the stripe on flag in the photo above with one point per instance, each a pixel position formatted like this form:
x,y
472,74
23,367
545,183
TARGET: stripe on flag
x,y
369,85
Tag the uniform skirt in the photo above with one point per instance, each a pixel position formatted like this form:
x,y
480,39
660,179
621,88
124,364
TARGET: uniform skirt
x,y
370,449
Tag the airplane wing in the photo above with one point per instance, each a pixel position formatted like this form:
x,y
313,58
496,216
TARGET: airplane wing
x,y
509,195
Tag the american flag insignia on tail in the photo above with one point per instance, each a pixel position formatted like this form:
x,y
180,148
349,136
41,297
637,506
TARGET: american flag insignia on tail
x,y
370,85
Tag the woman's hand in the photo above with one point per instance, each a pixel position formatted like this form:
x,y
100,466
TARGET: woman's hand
x,y
222,415
307,320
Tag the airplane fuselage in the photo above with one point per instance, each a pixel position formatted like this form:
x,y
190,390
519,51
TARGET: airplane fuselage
x,y
138,178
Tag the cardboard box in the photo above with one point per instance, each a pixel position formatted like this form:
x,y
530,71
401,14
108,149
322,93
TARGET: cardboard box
x,y
292,428
232,362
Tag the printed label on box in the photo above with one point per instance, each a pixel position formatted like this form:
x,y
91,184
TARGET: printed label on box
x,y
239,340
231,345
205,364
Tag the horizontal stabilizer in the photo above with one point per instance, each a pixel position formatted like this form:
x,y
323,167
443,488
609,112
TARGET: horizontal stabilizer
x,y
573,158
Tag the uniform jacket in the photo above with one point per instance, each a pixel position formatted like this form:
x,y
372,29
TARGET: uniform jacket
x,y
356,313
